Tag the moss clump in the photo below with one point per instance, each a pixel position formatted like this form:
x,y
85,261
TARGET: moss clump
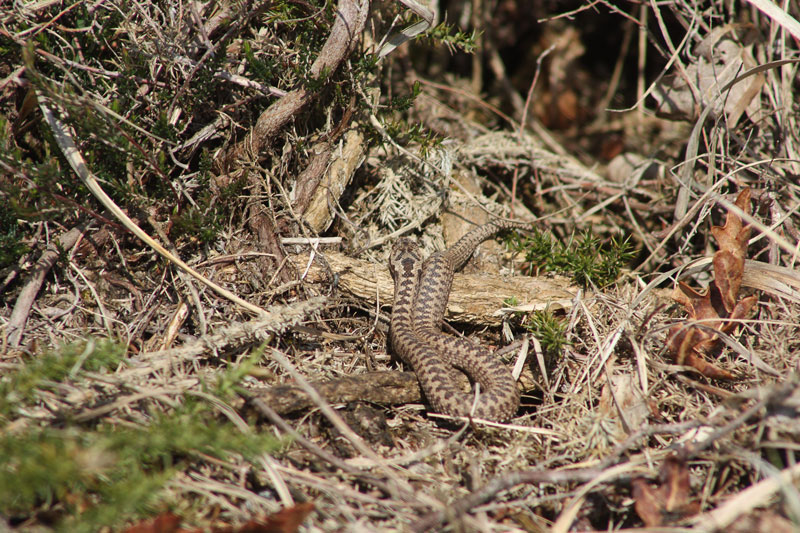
x,y
583,257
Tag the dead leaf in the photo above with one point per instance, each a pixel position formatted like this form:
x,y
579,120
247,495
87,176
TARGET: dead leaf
x,y
683,343
715,309
667,502
646,503
720,58
728,272
163,523
286,520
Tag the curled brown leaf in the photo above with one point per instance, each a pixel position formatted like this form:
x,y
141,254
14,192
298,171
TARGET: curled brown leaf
x,y
668,501
717,308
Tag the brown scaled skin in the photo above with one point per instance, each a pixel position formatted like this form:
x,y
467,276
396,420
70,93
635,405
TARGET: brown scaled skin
x,y
421,294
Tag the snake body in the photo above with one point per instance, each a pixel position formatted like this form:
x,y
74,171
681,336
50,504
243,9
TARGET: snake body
x,y
421,293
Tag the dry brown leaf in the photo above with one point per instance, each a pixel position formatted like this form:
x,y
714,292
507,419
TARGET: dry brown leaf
x,y
741,310
646,503
683,343
163,523
729,260
719,58
717,308
728,272
286,520
669,500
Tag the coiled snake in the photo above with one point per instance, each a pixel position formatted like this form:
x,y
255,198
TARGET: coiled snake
x,y
421,291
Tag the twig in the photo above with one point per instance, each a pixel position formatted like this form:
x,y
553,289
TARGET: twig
x,y
584,475
351,17
774,396
745,501
19,316
499,484
524,120
375,387
260,329
337,421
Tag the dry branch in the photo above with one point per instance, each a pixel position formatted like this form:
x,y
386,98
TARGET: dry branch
x,y
328,191
474,299
22,308
385,388
351,16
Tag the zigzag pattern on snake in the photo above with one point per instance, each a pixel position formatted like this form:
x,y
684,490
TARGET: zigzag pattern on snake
x,y
421,293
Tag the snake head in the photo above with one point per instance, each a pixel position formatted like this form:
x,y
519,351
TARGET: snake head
x,y
405,260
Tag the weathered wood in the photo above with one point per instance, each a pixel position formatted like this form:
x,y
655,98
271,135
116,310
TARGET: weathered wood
x,y
475,298
385,388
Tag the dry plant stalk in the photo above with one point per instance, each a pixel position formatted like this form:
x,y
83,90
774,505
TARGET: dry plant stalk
x,y
716,309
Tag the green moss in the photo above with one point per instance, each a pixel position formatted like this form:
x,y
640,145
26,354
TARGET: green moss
x,y
583,257
549,330
102,477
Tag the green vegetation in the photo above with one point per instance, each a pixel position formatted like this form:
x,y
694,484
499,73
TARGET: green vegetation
x,y
549,330
263,69
405,133
452,38
52,367
11,247
404,102
101,476
197,223
584,257
97,476
104,476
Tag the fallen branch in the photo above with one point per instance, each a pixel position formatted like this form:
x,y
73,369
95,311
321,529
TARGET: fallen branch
x,y
22,308
258,330
385,388
475,299
351,17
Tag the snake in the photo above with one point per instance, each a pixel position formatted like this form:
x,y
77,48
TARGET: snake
x,y
422,289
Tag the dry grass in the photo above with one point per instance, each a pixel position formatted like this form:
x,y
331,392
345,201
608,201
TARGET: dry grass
x,y
229,134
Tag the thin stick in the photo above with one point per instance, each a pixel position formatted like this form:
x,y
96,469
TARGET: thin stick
x,y
19,316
